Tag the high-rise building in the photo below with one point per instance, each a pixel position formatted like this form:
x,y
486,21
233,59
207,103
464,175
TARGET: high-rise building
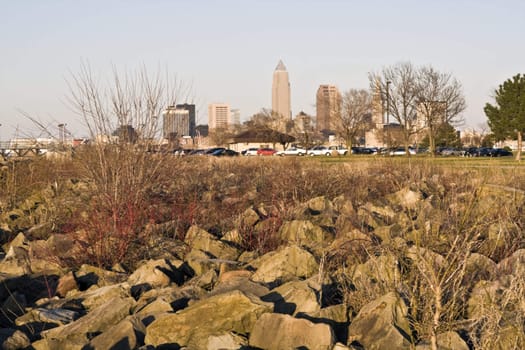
x,y
235,117
191,110
328,106
281,102
175,122
218,115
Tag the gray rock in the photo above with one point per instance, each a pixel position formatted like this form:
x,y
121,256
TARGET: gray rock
x,y
200,239
446,341
302,232
98,320
276,331
57,316
95,297
191,327
382,324
294,297
12,339
227,341
127,334
287,264
157,273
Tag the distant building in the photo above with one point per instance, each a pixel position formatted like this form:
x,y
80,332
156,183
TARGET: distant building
x,y
218,115
192,116
328,101
235,117
281,101
175,122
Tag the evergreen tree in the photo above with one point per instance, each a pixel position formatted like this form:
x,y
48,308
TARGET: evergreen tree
x,y
507,117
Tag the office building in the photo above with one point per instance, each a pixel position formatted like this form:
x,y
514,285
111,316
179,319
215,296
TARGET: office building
x,y
175,123
192,116
218,116
328,103
281,102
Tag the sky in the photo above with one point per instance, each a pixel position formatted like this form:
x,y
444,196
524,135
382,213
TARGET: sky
x,y
226,50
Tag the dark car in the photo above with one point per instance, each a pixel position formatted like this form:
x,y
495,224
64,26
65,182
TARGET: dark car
x,y
363,150
500,152
210,151
225,153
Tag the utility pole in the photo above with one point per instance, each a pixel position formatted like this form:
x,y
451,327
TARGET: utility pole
x,y
388,82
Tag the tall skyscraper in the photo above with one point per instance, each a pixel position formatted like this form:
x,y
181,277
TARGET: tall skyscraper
x,y
281,92
218,115
191,111
175,122
328,106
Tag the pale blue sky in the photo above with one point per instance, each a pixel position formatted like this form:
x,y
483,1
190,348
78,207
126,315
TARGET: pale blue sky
x,y
227,49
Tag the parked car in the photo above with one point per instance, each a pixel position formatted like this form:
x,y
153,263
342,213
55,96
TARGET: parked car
x,y
210,151
400,151
225,153
449,151
341,150
292,151
196,152
319,151
266,152
363,150
501,152
250,151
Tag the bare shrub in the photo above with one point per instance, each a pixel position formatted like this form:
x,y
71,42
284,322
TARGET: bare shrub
x,y
122,164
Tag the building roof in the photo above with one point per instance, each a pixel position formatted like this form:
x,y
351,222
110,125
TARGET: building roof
x,y
280,66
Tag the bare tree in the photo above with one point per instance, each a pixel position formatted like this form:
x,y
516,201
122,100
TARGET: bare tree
x,y
440,100
355,116
398,86
120,171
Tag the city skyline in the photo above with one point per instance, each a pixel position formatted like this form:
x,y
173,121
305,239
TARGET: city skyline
x,y
227,51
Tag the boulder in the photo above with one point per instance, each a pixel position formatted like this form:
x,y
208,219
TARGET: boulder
x,y
293,297
380,270
287,264
200,239
382,324
238,280
12,339
302,232
446,341
127,334
336,316
88,275
276,331
158,273
227,341
98,320
59,317
95,297
229,312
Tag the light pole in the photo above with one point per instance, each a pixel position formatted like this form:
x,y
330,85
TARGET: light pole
x,y
388,82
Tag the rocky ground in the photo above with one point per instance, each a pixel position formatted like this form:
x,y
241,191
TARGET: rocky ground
x,y
343,277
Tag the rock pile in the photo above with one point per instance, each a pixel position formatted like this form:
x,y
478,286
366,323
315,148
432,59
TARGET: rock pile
x,y
217,296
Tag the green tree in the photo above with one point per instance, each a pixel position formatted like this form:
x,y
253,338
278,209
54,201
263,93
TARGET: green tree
x,y
506,118
444,136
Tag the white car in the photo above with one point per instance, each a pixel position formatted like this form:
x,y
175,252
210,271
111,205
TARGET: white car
x,y
250,151
327,151
319,151
400,151
292,151
339,149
